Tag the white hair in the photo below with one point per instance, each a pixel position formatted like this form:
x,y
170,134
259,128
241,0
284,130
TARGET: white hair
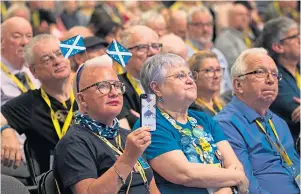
x,y
151,16
240,64
15,7
29,55
195,10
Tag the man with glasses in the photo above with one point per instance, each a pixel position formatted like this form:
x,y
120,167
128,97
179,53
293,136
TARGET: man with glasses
x,y
43,115
143,43
199,37
260,138
281,38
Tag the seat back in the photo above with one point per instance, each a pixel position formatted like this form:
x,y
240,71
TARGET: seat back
x,y
32,163
11,185
48,184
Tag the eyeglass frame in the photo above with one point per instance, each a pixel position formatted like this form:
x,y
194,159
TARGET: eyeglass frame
x,y
111,84
186,75
290,37
267,73
214,71
149,45
52,57
200,24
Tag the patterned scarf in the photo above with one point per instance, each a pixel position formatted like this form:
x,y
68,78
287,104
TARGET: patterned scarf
x,y
97,127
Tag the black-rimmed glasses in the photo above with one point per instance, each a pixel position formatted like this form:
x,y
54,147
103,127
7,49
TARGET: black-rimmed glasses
x,y
290,37
183,76
105,87
145,47
262,73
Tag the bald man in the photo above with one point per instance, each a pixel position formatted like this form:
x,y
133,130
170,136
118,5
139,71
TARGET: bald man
x,y
15,77
173,44
178,23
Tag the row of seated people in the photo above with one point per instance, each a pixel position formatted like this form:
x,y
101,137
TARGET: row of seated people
x,y
36,114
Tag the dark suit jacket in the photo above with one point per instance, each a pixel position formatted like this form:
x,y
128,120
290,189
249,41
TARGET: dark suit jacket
x,y
131,100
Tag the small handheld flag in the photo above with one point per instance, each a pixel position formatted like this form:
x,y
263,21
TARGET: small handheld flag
x,y
117,52
72,46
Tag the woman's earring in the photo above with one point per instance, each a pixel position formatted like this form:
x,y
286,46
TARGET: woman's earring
x,y
160,99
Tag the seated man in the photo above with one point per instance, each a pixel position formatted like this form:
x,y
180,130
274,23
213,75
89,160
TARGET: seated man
x,y
261,140
96,155
43,115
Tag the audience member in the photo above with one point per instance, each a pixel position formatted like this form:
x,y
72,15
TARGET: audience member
x,y
200,31
173,44
16,78
261,140
187,147
143,43
18,10
282,8
43,115
70,16
86,158
178,23
281,37
233,40
155,21
206,65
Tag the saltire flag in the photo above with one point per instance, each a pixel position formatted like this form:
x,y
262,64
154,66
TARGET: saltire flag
x,y
72,46
117,52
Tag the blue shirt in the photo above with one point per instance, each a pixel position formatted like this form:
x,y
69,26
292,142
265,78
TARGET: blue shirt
x,y
284,104
166,138
262,163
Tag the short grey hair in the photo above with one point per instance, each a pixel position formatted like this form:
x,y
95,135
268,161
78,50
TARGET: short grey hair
x,y
274,30
155,69
11,11
195,10
240,65
29,55
149,17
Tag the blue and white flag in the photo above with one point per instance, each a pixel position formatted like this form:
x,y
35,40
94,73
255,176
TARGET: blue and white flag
x,y
72,46
117,52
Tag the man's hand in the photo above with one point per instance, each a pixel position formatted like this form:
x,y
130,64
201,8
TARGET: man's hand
x,y
10,148
296,113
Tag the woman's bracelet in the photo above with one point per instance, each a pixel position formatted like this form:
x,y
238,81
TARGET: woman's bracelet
x,y
5,127
119,176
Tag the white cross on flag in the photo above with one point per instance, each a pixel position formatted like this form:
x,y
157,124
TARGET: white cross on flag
x,y
117,52
72,46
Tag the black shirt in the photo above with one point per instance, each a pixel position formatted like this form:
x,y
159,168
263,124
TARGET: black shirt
x,y
81,155
131,100
29,114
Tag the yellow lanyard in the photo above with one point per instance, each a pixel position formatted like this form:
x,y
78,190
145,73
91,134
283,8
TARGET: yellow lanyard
x,y
279,147
248,41
16,80
60,132
118,142
3,9
298,79
192,46
36,18
218,105
134,84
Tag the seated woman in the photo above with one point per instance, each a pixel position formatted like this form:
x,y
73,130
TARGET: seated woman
x,y
189,152
210,73
96,155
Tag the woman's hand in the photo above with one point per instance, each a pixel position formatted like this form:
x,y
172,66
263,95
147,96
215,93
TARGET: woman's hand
x,y
137,142
243,187
236,166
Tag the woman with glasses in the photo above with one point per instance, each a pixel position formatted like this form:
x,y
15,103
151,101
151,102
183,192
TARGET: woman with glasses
x,y
96,155
210,73
189,152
